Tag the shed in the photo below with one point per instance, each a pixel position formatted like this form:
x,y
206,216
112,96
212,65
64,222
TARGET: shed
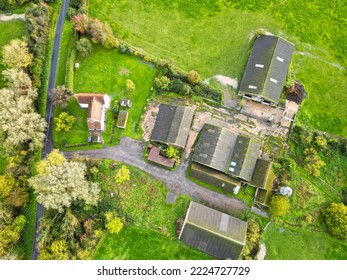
x,y
122,119
172,125
216,233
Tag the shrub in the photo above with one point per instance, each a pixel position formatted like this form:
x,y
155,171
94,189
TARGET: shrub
x,y
162,83
279,205
335,217
193,77
84,47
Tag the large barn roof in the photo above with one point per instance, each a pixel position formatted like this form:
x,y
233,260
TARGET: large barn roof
x,y
213,232
172,125
267,68
214,147
225,151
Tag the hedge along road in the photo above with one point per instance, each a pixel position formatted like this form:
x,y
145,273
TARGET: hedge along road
x,y
48,143
130,152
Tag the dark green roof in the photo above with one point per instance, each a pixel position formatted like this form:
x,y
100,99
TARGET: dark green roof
x,y
213,232
172,125
214,147
267,68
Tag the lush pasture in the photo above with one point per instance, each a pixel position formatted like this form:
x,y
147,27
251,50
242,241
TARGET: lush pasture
x,y
106,71
150,230
213,37
9,30
285,244
134,243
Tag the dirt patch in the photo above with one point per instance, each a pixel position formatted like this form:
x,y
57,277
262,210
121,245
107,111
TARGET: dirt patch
x,y
124,71
224,80
3,17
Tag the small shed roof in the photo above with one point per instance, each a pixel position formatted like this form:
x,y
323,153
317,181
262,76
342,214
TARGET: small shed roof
x,y
267,68
216,233
172,125
122,119
262,173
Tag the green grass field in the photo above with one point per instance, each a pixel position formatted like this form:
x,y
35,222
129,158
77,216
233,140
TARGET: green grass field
x,y
134,243
9,30
150,230
213,37
106,71
284,244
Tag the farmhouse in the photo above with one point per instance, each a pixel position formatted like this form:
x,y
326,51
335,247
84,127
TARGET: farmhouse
x,y
213,232
172,125
266,70
97,104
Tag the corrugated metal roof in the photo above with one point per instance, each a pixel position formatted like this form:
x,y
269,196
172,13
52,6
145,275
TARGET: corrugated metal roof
x,y
214,232
274,54
172,125
214,147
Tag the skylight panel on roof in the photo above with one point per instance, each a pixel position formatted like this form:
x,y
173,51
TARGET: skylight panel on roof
x,y
252,87
233,163
279,58
203,155
259,65
273,80
231,169
224,221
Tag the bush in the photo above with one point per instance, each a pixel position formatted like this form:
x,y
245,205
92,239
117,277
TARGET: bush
x,y
193,77
84,47
279,205
335,218
161,83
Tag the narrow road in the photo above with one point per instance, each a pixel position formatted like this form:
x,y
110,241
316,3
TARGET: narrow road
x,y
130,152
48,144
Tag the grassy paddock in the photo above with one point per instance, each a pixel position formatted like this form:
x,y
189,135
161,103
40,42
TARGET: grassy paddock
x,y
9,30
285,244
213,37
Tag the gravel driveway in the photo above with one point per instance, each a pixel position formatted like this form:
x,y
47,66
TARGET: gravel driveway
x,y
130,152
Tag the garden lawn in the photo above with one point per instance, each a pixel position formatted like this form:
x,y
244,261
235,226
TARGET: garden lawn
x,y
134,243
214,37
9,30
150,228
106,71
284,244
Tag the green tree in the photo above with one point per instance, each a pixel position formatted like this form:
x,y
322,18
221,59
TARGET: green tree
x,y
16,54
84,47
321,142
129,86
18,197
7,183
193,77
335,217
312,162
171,152
58,250
60,182
279,205
162,83
61,96
19,123
113,223
64,122
122,175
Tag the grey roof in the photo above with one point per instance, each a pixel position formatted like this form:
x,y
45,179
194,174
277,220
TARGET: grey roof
x,y
267,68
214,147
213,232
244,157
225,151
172,125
